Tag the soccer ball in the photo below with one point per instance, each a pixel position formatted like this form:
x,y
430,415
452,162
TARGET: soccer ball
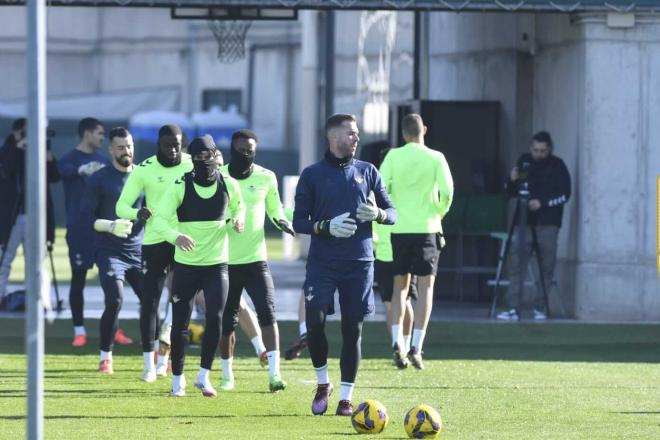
x,y
196,332
370,417
423,422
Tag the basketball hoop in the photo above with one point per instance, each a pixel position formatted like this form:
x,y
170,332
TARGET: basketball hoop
x,y
230,35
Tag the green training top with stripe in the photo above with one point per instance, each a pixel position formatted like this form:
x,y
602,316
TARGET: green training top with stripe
x,y
261,198
421,188
151,179
202,213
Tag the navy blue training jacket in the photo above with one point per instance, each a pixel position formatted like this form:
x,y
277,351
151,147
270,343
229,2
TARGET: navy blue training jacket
x,y
330,188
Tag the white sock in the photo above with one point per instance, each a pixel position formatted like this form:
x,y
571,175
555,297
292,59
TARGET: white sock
x,y
302,328
397,336
258,345
178,382
203,376
79,330
162,360
106,355
406,342
273,363
418,339
322,376
346,391
227,371
168,317
148,360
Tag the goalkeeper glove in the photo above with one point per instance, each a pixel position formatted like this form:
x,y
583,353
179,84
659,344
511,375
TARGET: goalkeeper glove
x,y
120,227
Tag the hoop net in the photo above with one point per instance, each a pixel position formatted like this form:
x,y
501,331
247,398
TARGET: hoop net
x,y
230,36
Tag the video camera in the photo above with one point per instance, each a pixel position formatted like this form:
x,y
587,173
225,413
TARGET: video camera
x,y
523,171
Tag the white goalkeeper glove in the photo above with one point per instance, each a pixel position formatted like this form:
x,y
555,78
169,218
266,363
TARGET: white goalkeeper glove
x,y
342,226
120,227
368,212
90,168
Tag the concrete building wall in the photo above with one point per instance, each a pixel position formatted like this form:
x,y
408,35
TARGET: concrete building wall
x,y
618,163
101,50
596,90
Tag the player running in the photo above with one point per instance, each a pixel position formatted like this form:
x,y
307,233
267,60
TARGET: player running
x,y
248,268
331,206
75,168
117,241
204,204
422,199
152,178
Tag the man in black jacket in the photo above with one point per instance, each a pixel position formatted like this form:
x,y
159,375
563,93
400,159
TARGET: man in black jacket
x,y
550,188
12,210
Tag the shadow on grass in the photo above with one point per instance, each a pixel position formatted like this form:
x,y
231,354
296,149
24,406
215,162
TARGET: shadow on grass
x,y
638,413
444,341
178,417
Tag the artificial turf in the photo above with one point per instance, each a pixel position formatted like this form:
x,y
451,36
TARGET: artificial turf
x,y
495,381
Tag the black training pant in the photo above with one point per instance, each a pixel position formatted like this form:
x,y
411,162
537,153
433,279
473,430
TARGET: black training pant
x,y
186,282
113,290
76,299
256,279
351,331
157,260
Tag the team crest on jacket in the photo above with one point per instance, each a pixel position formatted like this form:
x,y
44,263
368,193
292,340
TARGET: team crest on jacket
x,y
252,188
359,178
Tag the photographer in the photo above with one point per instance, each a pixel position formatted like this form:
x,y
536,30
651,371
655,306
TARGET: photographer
x,y
549,187
12,179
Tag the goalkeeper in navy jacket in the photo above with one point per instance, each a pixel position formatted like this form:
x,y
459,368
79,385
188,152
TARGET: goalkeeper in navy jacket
x,y
334,206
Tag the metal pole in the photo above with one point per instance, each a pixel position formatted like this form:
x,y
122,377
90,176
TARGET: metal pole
x,y
35,179
421,55
329,65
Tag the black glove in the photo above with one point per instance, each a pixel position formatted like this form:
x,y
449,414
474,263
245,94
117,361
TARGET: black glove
x,y
284,226
144,214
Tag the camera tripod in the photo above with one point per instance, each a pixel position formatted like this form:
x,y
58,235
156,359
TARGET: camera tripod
x,y
520,219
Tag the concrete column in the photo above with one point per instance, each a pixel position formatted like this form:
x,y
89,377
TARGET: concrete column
x,y
309,85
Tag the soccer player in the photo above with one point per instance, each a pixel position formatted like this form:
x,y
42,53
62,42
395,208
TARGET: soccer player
x,y
204,204
383,271
248,268
331,205
420,184
152,178
75,168
117,241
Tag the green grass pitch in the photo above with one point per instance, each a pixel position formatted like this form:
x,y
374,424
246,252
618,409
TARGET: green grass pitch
x,y
487,381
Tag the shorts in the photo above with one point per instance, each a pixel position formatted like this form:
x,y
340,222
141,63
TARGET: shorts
x,y
353,279
384,277
256,279
416,254
113,267
81,248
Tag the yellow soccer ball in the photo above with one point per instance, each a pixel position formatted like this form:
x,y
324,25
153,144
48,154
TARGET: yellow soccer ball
x,y
423,422
370,417
196,333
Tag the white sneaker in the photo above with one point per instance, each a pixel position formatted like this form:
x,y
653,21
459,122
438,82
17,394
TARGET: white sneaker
x,y
161,371
509,315
206,389
179,391
148,376
539,315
